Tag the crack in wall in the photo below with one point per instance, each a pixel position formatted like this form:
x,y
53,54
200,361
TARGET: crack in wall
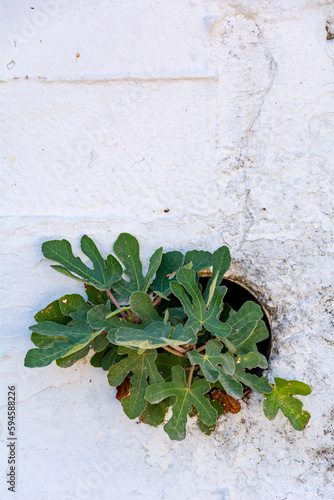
x,y
274,68
40,392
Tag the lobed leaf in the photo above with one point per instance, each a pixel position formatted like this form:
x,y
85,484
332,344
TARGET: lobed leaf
x,y
165,363
200,259
213,361
98,320
141,304
78,336
248,361
100,342
96,296
154,264
52,312
71,303
143,367
232,384
104,272
247,330
221,261
198,313
43,341
250,345
170,263
282,398
150,334
209,429
157,334
106,358
126,248
183,401
70,359
154,414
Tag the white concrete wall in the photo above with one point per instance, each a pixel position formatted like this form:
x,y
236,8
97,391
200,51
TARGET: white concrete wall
x,y
223,113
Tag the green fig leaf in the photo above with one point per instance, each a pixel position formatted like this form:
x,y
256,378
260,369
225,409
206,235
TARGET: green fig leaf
x,y
198,314
142,367
213,361
282,398
141,304
209,429
52,312
155,335
212,289
78,336
250,344
199,258
95,296
43,341
177,312
170,263
106,358
104,272
221,261
250,360
154,264
68,361
111,357
150,334
100,342
97,357
247,330
98,320
182,402
154,415
126,248
71,303
230,385
243,323
165,363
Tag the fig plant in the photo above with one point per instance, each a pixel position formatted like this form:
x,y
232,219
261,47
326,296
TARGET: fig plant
x,y
164,340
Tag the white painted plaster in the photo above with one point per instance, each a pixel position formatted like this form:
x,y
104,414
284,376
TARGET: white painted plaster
x,y
223,113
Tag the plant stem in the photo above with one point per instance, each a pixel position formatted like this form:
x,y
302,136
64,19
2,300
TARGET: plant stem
x,y
113,313
191,370
169,349
116,304
190,376
156,300
178,348
201,348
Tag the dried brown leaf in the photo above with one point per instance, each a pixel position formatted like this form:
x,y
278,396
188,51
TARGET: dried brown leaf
x,y
123,389
229,404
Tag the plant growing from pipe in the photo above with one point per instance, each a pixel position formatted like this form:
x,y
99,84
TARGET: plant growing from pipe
x,y
164,340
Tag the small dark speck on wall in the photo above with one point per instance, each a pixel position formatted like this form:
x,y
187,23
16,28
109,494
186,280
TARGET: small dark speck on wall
x,y
166,210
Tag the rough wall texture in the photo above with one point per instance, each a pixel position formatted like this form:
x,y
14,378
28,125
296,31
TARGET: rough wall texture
x,y
221,112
